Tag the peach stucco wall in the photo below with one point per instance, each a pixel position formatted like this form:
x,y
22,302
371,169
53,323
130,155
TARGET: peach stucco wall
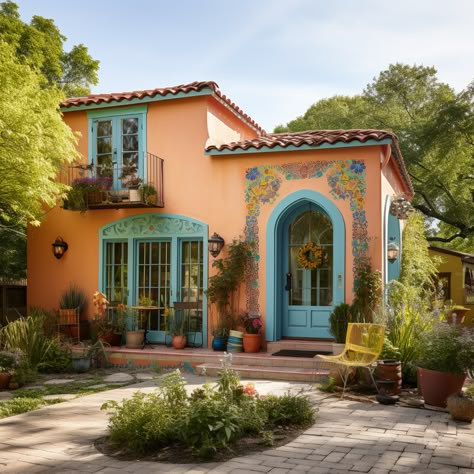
x,y
206,188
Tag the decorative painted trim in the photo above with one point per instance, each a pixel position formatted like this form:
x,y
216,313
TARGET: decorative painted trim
x,y
153,225
278,148
346,180
94,114
159,226
145,100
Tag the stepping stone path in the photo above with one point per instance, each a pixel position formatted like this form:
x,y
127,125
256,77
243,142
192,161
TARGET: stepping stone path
x,y
120,377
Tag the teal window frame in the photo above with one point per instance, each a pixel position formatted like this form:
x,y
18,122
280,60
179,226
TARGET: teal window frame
x,y
116,116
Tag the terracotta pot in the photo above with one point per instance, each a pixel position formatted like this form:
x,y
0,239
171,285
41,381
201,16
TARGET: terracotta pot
x,y
5,379
252,342
179,342
436,386
390,369
135,339
461,407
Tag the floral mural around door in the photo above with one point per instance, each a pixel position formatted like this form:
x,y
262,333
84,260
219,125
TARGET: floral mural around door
x,y
346,180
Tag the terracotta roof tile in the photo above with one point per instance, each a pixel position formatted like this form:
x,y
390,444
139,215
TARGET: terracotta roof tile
x,y
317,138
98,99
310,137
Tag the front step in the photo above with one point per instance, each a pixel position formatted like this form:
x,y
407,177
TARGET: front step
x,y
294,374
298,344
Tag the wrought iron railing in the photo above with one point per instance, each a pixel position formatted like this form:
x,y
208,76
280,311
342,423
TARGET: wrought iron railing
x,y
105,186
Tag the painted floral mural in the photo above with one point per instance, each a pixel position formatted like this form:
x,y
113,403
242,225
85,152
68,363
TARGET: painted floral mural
x,y
346,180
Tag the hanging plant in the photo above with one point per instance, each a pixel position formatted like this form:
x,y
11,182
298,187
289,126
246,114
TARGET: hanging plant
x,y
310,255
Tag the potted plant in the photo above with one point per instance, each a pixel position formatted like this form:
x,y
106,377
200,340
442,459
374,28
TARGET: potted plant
x,y
338,321
389,368
446,353
252,340
132,181
149,194
102,326
461,406
178,324
86,191
8,362
71,304
81,359
135,334
224,285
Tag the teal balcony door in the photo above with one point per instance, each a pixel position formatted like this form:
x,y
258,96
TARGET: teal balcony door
x,y
117,143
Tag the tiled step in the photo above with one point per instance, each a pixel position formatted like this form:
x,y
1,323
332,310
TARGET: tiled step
x,y
299,345
268,373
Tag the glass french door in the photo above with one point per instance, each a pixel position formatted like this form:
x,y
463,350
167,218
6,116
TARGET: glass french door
x,y
309,291
169,271
117,147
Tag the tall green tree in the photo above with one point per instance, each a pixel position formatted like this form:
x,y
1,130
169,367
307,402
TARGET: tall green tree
x,y
36,73
34,142
40,44
435,126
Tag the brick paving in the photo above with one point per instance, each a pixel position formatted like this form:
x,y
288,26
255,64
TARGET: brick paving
x,y
348,436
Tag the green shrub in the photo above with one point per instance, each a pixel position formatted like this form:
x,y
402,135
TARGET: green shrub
x,y
56,360
27,336
288,409
338,321
141,423
207,420
211,425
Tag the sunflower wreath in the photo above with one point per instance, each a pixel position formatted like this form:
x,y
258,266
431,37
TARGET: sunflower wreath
x,y
310,255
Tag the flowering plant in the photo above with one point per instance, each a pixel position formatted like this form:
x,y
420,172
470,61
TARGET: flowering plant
x,y
252,324
100,183
100,303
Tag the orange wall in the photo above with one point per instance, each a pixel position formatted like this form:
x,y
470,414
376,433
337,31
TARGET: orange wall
x,y
206,188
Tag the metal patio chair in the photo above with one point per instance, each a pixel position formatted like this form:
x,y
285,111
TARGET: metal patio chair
x,y
362,348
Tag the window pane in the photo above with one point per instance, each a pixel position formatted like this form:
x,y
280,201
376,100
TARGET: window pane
x,y
104,128
130,143
116,271
129,126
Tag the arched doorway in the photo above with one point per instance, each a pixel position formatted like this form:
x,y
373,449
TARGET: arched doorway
x,y
300,299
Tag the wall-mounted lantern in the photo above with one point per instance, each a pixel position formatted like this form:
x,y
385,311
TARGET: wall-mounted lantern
x,y
215,243
59,247
392,251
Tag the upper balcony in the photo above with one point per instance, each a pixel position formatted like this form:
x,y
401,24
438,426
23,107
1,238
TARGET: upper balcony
x,y
110,186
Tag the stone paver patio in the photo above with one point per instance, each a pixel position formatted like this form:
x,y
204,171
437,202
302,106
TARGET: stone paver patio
x,y
348,436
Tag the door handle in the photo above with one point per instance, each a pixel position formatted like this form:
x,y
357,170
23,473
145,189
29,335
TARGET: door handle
x,y
288,282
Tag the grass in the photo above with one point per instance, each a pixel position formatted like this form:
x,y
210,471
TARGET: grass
x,y
25,400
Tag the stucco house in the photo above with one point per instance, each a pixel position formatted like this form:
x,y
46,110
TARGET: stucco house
x,y
206,167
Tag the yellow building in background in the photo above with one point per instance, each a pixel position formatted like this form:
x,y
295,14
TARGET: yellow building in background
x,y
456,273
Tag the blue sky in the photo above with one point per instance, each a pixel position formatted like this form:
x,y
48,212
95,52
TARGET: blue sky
x,y
273,58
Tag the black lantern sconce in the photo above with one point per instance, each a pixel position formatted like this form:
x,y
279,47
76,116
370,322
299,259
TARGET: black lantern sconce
x,y
59,247
392,251
215,242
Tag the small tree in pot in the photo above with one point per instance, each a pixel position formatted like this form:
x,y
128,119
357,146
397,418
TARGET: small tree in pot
x,y
447,353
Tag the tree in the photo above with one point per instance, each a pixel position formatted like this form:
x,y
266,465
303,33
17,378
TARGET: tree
x,y
34,141
41,45
436,131
35,75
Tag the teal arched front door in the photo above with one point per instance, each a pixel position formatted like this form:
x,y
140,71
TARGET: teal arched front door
x,y
301,299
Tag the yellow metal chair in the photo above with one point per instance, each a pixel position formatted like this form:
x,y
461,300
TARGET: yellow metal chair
x,y
362,348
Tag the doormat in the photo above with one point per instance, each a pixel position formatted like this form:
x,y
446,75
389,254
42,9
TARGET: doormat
x,y
296,353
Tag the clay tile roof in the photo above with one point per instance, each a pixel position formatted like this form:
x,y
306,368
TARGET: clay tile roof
x,y
163,91
316,138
